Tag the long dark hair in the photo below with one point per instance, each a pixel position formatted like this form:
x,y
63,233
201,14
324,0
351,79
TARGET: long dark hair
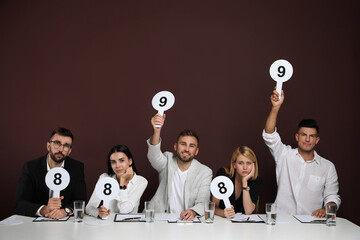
x,y
124,149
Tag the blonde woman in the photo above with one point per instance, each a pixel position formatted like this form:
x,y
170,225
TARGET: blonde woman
x,y
243,172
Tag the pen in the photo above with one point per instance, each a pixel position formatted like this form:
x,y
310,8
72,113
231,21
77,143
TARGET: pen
x,y
318,221
131,218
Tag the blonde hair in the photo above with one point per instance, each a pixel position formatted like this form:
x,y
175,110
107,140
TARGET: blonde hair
x,y
246,152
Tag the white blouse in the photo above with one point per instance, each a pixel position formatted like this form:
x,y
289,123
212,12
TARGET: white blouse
x,y
126,202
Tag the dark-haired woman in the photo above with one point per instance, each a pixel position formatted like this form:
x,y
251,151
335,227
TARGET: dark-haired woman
x,y
121,166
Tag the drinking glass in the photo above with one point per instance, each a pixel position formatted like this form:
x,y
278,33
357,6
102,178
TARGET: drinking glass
x,y
149,212
270,213
79,210
209,212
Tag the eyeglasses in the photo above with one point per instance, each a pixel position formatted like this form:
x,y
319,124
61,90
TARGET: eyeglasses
x,y
57,145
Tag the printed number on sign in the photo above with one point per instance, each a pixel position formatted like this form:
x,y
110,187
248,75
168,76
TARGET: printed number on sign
x,y
57,179
222,188
107,189
281,71
163,101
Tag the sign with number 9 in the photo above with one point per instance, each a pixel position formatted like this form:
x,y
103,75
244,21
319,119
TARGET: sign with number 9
x,y
163,101
222,188
280,71
57,179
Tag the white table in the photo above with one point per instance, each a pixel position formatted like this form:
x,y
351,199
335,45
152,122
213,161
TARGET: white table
x,y
220,229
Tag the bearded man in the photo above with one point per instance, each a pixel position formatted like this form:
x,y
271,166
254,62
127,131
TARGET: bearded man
x,y
184,183
33,197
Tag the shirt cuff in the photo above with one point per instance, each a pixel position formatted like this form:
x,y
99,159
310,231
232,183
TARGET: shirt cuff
x,y
337,201
122,194
38,211
153,146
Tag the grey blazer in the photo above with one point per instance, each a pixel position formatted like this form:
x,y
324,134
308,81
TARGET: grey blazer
x,y
197,185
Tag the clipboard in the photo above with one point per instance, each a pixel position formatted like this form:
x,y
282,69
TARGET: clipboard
x,y
129,218
309,219
45,219
249,219
195,220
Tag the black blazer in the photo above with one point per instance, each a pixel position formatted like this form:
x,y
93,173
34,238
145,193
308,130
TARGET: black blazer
x,y
32,192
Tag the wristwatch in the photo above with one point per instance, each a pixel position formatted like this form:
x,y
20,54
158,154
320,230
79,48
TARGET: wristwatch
x,y
246,188
123,187
68,211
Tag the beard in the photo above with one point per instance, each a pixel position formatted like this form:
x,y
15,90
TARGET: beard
x,y
184,160
55,159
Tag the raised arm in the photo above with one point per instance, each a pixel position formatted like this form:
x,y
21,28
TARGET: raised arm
x,y
157,120
276,104
157,159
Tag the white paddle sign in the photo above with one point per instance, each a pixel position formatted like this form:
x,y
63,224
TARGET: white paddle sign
x,y
57,179
107,189
222,188
280,71
163,101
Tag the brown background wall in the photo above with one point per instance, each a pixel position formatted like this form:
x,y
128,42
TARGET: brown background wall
x,y
94,67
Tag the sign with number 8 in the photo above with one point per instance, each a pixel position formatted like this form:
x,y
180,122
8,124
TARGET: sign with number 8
x,y
107,189
57,179
222,188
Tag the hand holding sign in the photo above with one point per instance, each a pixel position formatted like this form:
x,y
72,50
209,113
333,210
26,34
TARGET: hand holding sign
x,y
163,101
222,188
107,189
57,179
281,71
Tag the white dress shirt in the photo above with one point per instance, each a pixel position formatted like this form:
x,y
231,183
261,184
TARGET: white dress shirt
x,y
126,202
303,186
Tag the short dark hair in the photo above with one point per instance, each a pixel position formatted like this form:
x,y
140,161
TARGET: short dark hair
x,y
309,123
188,132
62,132
120,148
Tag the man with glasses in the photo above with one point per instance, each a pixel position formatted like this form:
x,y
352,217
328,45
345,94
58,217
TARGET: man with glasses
x,y
33,197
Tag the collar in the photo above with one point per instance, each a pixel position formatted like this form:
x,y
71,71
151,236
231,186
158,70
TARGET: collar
x,y
47,163
316,157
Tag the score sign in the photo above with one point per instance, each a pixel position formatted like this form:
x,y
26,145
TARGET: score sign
x,y
107,189
280,71
163,101
57,179
222,188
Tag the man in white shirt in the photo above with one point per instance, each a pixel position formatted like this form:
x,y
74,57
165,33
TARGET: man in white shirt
x,y
184,183
306,182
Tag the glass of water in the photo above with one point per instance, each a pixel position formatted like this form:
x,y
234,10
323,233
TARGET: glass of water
x,y
149,212
209,212
79,210
270,209
330,209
